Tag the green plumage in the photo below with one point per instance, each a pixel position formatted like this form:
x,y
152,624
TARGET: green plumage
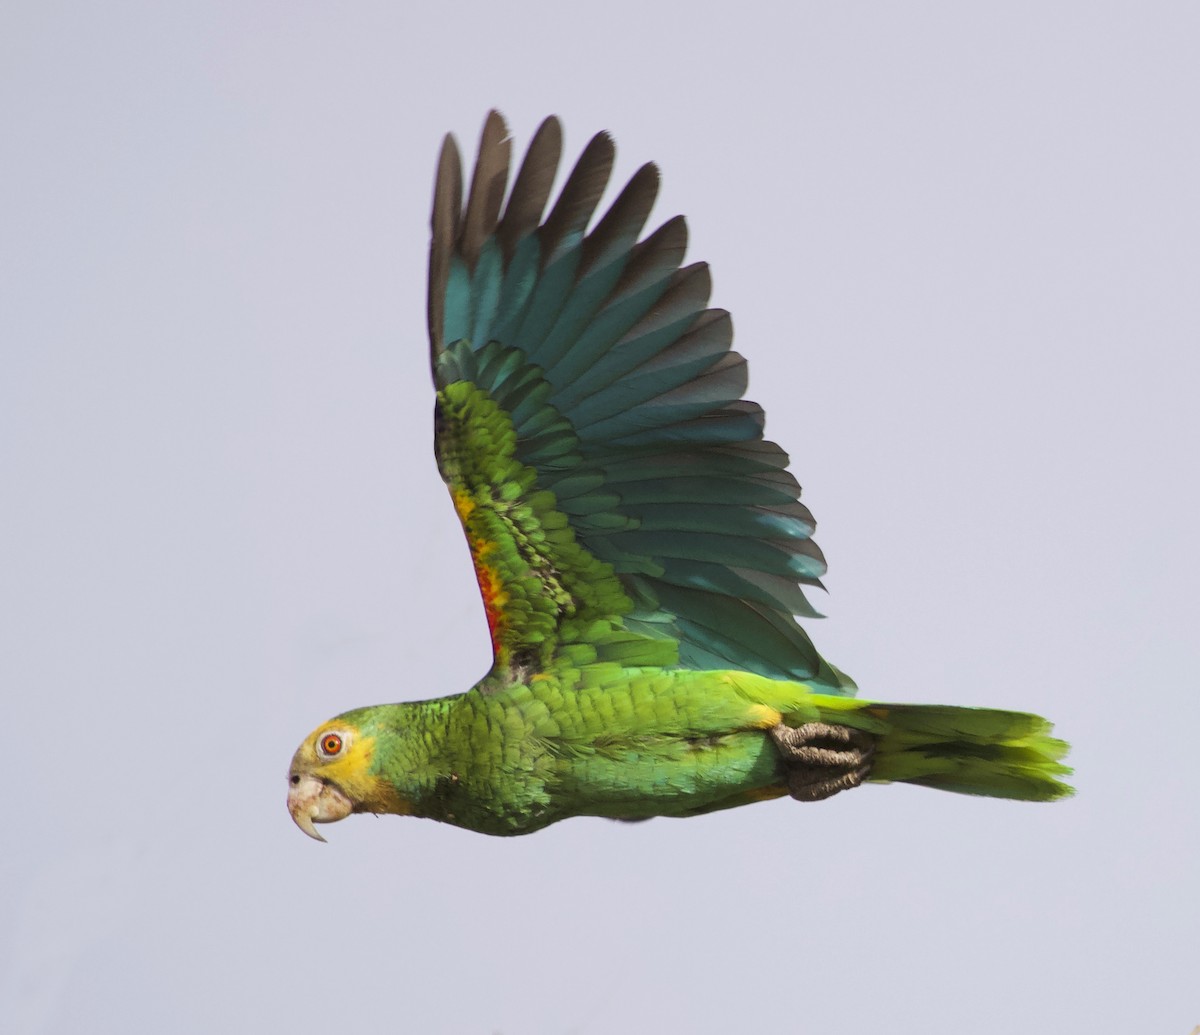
x,y
640,547
630,744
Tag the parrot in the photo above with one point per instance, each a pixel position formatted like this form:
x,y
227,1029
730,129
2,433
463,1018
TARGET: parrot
x,y
640,546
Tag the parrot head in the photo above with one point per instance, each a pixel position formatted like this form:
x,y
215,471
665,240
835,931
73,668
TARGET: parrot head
x,y
331,776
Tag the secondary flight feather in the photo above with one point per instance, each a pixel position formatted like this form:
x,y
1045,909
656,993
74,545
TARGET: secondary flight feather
x,y
641,549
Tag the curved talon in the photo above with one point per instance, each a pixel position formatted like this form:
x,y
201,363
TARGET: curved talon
x,y
822,759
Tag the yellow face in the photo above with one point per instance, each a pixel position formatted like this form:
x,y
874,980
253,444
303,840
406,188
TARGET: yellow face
x,y
330,777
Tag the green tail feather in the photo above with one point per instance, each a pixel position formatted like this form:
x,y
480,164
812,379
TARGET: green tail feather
x,y
983,751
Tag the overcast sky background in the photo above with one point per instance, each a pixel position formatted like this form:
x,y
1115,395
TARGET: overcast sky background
x,y
961,244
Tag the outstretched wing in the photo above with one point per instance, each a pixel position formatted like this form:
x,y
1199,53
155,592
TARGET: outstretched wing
x,y
617,494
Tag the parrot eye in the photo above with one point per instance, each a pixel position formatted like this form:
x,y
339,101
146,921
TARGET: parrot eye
x,y
330,745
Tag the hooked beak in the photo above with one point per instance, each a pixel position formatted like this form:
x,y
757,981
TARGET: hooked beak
x,y
315,801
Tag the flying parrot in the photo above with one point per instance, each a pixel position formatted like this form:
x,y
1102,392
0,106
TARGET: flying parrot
x,y
640,547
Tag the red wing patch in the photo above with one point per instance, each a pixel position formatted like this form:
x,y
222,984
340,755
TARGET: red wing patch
x,y
490,579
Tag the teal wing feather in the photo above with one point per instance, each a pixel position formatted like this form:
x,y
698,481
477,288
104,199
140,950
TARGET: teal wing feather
x,y
625,401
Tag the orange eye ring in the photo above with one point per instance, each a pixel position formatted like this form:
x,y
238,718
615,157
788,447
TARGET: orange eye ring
x,y
331,744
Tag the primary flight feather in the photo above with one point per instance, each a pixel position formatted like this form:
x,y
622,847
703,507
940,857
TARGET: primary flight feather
x,y
640,547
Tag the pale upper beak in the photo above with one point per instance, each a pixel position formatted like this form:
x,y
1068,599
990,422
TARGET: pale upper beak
x,y
311,800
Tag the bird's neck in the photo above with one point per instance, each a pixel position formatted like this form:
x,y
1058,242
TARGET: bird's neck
x,y
409,762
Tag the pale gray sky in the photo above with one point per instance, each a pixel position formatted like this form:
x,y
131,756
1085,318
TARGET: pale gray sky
x,y
961,244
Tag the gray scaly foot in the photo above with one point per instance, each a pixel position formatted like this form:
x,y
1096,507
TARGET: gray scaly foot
x,y
822,759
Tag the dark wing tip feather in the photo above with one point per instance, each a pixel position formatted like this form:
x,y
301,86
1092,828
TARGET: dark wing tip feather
x,y
659,254
487,187
628,213
444,223
581,193
531,189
